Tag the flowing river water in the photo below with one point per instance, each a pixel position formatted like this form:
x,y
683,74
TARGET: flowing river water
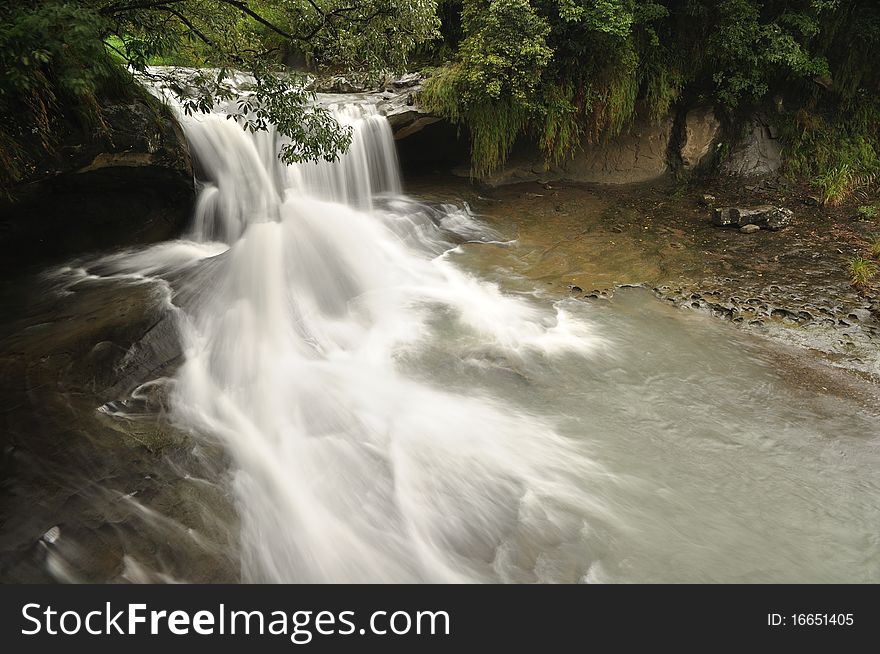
x,y
381,399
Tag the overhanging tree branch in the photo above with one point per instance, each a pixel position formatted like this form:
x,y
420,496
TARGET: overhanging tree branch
x,y
245,9
192,28
123,7
327,18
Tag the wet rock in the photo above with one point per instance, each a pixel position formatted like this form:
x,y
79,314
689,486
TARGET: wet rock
x,y
406,118
52,534
128,183
749,229
701,131
340,84
157,353
861,315
638,156
778,218
723,217
757,154
767,216
401,107
751,215
408,81
707,200
68,350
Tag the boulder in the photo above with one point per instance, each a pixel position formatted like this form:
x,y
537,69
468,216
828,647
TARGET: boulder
x,y
400,106
766,216
777,219
701,131
339,84
408,81
758,153
723,217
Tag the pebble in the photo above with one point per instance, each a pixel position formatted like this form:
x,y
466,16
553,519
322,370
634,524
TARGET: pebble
x,y
52,534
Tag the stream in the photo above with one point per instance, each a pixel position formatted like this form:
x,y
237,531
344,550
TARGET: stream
x,y
371,389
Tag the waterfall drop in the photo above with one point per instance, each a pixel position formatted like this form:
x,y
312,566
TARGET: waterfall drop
x,y
299,339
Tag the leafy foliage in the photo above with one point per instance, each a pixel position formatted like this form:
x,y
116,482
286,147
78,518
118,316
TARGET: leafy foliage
x,y
492,87
42,75
866,212
61,59
750,53
311,135
584,69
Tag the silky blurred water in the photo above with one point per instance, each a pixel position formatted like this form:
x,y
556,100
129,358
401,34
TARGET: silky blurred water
x,y
397,407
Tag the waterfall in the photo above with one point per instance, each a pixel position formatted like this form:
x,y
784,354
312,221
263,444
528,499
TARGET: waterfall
x,y
370,387
308,342
243,183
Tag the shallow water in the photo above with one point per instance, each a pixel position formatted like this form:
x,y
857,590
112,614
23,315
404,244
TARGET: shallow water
x,y
382,396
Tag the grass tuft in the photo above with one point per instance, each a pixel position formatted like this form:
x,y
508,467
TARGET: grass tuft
x,y
866,212
861,271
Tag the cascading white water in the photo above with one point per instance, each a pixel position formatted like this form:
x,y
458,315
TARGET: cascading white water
x,y
246,183
349,465
390,417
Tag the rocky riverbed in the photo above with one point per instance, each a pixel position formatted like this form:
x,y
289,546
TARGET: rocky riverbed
x,y
94,470
791,284
92,482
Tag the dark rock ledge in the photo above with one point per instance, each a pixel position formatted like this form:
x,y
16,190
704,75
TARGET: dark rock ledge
x,y
126,184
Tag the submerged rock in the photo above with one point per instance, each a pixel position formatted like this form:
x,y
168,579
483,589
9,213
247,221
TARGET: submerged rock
x,y
749,229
